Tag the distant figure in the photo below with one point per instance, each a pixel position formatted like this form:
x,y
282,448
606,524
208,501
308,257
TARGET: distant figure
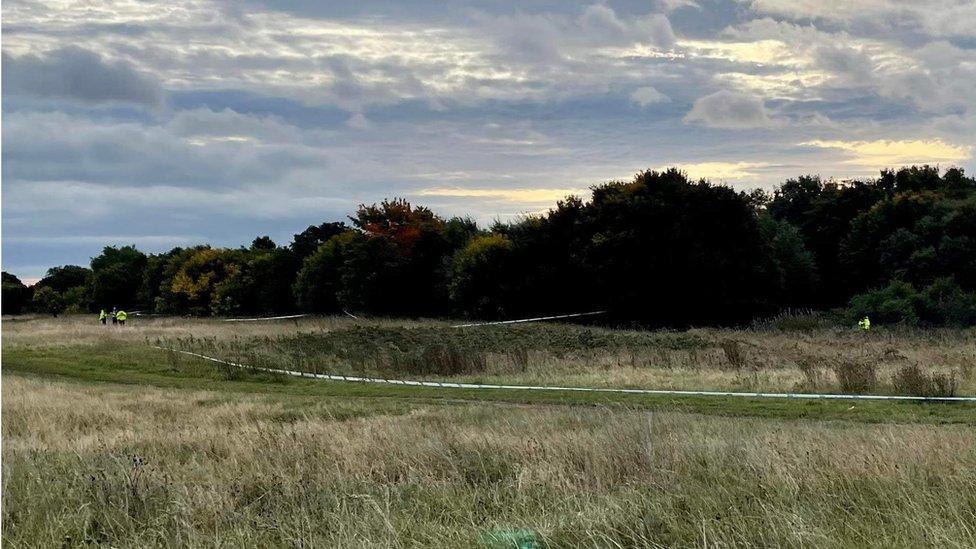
x,y
121,316
864,324
114,315
103,316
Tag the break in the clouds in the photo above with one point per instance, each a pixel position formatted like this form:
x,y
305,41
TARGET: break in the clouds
x,y
173,123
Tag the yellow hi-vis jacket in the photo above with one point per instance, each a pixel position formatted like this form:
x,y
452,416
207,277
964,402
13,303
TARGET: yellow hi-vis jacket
x,y
121,315
102,315
865,323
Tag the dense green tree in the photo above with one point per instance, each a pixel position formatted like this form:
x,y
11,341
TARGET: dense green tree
x,y
916,237
669,251
482,276
459,230
192,277
61,279
918,178
308,241
941,303
947,303
549,270
790,267
47,300
657,250
400,267
374,278
154,274
77,300
16,295
73,285
909,224
263,243
262,284
823,213
318,283
117,277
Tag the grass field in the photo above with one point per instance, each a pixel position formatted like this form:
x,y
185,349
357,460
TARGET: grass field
x,y
108,441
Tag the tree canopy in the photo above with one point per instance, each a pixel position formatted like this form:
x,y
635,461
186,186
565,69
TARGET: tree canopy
x,y
658,250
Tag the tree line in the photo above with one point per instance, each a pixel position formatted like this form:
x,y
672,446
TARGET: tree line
x,y
659,250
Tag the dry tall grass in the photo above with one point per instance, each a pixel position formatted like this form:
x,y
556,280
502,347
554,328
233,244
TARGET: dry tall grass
x,y
137,467
720,359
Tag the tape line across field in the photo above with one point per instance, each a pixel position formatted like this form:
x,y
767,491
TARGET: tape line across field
x,y
521,320
347,313
673,392
262,318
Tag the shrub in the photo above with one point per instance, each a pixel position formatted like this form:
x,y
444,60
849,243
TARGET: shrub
x,y
856,377
437,359
813,375
912,380
792,320
519,356
733,353
943,302
897,303
46,300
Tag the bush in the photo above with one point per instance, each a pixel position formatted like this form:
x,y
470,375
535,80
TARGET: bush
x,y
813,375
897,303
733,353
912,380
856,377
437,359
76,300
46,300
943,302
791,320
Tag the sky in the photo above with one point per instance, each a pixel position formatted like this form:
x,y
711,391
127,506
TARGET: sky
x,y
182,122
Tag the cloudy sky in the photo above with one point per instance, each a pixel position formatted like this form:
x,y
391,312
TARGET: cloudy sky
x,y
189,121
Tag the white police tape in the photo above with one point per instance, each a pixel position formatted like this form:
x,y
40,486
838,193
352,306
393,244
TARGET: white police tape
x,y
671,392
536,319
262,318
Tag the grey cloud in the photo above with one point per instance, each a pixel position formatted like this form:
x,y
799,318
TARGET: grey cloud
x,y
79,74
941,79
648,95
55,146
551,37
898,19
933,76
491,55
730,110
227,123
845,60
358,122
513,96
600,24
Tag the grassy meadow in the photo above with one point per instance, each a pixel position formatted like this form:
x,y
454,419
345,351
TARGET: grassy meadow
x,y
108,441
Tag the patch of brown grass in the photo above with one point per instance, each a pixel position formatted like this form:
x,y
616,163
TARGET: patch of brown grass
x,y
765,360
136,466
